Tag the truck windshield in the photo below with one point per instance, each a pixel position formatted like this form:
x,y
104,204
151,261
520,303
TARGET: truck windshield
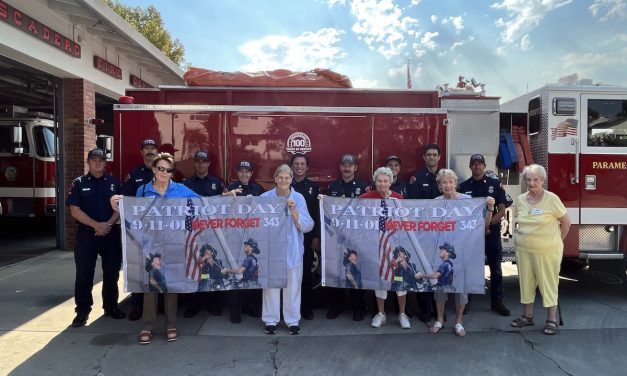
x,y
44,141
607,122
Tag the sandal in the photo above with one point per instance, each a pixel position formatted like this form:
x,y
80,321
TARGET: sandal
x,y
145,337
459,330
436,327
522,322
550,328
171,335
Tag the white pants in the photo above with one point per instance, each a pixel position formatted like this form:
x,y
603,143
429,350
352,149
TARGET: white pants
x,y
291,300
383,294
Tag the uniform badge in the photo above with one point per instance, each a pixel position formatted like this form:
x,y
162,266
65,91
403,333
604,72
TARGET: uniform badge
x,y
310,190
213,186
357,191
112,187
490,189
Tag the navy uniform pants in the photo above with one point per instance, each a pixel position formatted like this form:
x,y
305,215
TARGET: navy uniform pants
x,y
494,256
88,247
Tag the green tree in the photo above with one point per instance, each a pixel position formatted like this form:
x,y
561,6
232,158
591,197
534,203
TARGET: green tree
x,y
149,23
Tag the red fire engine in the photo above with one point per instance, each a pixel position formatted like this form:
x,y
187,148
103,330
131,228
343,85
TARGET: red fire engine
x,y
27,163
579,134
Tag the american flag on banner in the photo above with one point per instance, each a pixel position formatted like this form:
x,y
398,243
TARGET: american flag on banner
x,y
566,128
385,249
192,269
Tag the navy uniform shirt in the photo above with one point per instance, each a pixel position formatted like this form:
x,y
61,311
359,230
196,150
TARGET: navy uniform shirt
x,y
139,176
207,186
485,187
92,195
425,187
252,188
400,187
310,190
352,189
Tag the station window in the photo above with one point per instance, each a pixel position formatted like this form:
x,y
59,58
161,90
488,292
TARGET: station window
x,y
607,122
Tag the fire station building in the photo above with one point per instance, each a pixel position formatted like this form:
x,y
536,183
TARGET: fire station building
x,y
63,64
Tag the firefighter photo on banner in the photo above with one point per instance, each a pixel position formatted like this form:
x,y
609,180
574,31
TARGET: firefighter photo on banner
x,y
395,244
180,245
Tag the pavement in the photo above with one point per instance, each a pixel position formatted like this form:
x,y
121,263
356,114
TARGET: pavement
x,y
36,308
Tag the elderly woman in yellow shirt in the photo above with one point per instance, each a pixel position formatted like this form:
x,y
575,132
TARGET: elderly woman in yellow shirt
x,y
542,225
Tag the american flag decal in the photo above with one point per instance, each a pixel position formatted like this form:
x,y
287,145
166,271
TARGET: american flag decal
x,y
566,128
192,269
385,249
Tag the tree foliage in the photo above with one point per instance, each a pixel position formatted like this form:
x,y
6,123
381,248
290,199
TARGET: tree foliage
x,y
149,23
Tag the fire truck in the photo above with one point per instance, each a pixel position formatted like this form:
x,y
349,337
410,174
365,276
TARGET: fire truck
x,y
27,163
578,132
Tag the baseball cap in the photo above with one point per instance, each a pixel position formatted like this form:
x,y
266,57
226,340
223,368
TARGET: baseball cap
x,y
348,159
393,158
148,142
477,158
244,164
201,154
96,153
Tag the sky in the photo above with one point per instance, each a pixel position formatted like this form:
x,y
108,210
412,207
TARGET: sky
x,y
513,46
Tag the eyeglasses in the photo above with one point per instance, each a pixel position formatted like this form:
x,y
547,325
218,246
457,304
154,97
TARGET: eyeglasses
x,y
163,169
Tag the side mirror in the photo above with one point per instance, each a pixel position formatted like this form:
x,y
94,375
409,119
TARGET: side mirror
x,y
17,139
105,143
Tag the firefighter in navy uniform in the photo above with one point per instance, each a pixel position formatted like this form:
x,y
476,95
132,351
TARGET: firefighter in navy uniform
x,y
481,185
205,185
140,175
97,234
246,301
244,186
422,186
348,185
310,190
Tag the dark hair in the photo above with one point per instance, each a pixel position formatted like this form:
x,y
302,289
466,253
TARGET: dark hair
x,y
149,260
347,254
431,146
164,157
299,155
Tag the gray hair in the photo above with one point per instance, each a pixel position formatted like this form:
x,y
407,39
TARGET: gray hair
x,y
283,168
385,171
534,169
446,173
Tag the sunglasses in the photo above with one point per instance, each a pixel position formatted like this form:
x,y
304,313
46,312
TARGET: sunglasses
x,y
163,169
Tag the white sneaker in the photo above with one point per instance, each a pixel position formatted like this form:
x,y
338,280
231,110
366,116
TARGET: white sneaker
x,y
404,321
378,320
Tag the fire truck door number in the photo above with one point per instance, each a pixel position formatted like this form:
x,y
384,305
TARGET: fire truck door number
x,y
591,182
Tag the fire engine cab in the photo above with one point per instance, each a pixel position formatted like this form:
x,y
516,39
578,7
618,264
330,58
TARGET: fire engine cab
x,y
578,132
27,160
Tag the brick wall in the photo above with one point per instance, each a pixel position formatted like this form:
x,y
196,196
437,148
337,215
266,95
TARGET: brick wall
x,y
79,105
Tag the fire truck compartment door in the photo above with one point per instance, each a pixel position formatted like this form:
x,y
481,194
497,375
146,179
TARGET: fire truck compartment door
x,y
603,158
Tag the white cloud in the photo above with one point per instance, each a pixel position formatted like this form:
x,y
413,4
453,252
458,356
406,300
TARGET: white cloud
x,y
331,3
457,22
381,25
523,16
306,51
417,71
419,52
415,2
456,44
587,63
434,18
525,42
427,40
397,71
608,9
364,83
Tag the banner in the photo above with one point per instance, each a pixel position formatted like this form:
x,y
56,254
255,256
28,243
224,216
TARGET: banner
x,y
204,244
392,244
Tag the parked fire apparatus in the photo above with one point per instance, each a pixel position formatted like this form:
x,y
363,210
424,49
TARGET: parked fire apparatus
x,y
579,134
27,163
